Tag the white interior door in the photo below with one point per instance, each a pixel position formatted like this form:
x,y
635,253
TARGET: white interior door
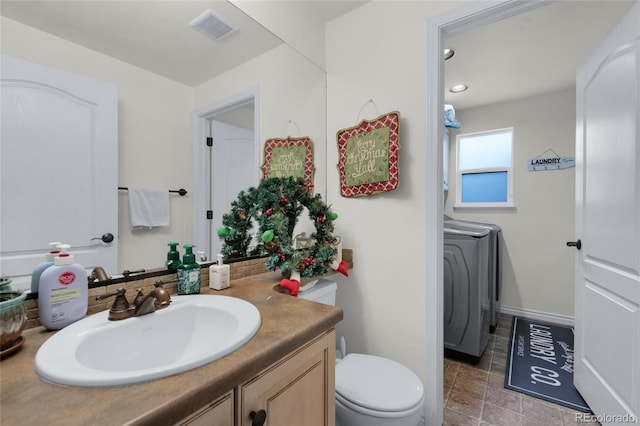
x,y
607,308
233,169
58,168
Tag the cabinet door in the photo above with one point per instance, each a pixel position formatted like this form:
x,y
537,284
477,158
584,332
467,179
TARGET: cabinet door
x,y
298,390
218,413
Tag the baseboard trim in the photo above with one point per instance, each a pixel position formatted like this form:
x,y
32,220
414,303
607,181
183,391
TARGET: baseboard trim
x,y
538,315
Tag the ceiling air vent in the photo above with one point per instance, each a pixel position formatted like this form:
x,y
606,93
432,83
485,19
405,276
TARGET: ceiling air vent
x,y
212,25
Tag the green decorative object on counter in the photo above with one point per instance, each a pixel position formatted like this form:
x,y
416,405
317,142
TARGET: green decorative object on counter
x,y
173,257
5,283
275,205
13,314
189,273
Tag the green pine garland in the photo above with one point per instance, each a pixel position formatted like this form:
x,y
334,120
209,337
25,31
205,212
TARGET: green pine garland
x,y
276,205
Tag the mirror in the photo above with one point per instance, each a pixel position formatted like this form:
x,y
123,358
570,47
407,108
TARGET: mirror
x,y
165,71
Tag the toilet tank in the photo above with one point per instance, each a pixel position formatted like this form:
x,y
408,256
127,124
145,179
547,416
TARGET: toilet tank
x,y
324,291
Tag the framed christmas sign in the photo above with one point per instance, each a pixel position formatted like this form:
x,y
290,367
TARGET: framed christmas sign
x,y
368,156
289,157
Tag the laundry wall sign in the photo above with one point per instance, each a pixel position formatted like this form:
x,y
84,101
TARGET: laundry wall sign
x,y
550,160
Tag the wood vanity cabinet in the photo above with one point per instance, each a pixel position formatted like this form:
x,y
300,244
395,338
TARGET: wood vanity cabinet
x,y
299,389
218,413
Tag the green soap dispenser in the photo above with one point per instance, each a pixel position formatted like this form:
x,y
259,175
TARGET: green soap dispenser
x,y
189,273
173,257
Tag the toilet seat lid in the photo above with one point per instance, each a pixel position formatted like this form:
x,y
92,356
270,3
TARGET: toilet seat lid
x,y
377,383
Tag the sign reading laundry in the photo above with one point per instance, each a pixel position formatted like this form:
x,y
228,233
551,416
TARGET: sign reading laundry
x,y
551,163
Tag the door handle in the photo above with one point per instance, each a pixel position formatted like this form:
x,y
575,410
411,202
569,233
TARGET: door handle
x,y
106,238
576,244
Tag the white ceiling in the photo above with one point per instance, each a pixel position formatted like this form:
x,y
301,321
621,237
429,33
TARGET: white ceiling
x,y
156,35
533,53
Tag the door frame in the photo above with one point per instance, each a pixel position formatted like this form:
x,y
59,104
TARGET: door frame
x,y
201,159
439,28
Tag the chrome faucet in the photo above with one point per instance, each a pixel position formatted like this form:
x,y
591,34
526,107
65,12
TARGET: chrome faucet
x,y
121,309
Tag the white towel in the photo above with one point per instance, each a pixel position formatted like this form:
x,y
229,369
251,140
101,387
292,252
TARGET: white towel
x,y
148,208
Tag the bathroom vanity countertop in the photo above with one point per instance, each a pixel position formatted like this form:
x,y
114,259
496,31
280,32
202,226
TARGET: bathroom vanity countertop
x,y
287,323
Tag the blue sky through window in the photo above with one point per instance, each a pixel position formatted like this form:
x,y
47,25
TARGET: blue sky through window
x,y
484,187
484,167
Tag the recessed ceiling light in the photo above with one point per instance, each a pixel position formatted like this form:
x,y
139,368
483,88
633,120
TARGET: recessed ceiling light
x,y
448,53
458,88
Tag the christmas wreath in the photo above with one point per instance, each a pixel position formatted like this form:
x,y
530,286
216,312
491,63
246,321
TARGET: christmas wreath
x,y
275,206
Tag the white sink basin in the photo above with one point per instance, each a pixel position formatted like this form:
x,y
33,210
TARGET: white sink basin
x,y
193,331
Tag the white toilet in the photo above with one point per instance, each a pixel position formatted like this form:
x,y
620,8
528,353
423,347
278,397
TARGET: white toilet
x,y
370,390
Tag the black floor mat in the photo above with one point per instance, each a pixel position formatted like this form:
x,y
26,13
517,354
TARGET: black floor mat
x,y
540,363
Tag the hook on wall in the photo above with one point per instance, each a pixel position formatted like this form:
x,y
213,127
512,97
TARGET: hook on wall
x,y
289,124
370,101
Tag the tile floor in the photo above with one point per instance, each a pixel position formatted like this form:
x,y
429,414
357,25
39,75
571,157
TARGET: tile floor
x,y
474,395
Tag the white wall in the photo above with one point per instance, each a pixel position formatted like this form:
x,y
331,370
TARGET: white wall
x,y
378,52
155,123
154,134
290,89
538,267
290,21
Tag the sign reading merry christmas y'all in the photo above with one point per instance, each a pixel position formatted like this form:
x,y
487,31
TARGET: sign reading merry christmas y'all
x,y
368,156
287,161
289,157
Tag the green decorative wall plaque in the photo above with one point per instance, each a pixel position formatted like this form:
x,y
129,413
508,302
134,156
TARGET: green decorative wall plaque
x,y
289,157
368,156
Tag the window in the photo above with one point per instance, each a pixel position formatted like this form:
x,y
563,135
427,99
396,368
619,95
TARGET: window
x,y
484,175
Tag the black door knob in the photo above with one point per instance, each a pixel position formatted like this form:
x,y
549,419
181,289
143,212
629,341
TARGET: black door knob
x,y
258,417
576,244
106,238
